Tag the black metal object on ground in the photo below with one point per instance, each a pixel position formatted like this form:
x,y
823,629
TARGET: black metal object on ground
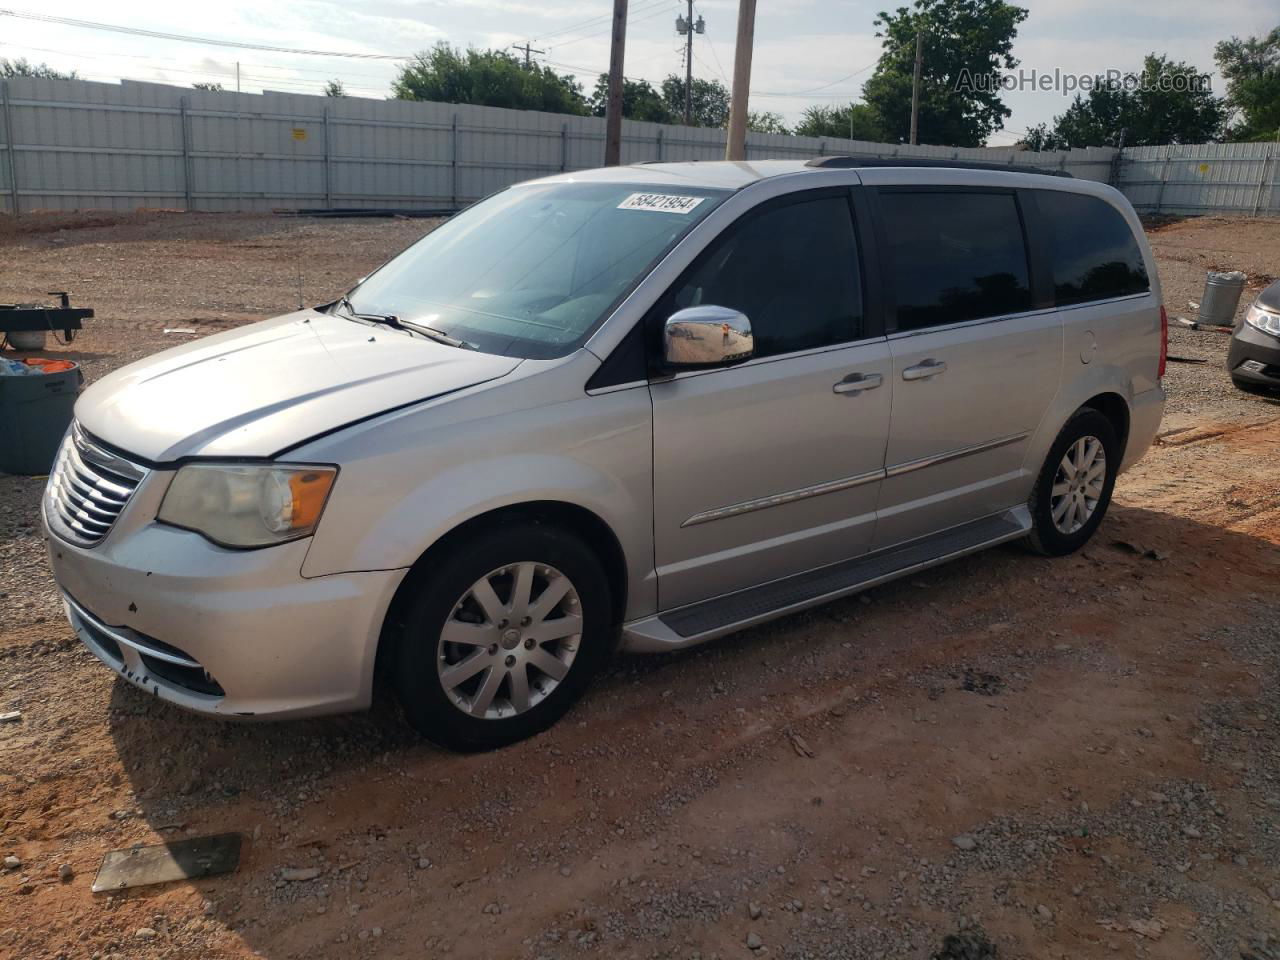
x,y
166,862
35,317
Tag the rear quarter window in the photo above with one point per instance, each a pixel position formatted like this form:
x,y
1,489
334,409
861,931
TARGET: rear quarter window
x,y
954,257
1093,255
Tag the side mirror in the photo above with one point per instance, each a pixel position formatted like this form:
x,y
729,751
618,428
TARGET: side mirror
x,y
706,335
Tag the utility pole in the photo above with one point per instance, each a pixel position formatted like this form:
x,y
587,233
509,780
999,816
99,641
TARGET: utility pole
x,y
687,27
527,50
915,83
688,68
613,109
735,147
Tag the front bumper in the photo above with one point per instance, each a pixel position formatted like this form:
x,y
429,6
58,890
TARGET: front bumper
x,y
238,633
1254,357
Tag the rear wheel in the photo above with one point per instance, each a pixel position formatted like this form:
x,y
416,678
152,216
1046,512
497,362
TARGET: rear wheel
x,y
503,637
1074,488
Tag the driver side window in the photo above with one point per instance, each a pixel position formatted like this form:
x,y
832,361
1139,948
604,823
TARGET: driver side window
x,y
792,269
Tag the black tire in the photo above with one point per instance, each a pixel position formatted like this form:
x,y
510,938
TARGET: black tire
x,y
452,574
1045,537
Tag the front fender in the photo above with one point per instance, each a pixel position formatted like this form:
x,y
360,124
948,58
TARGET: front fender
x,y
409,478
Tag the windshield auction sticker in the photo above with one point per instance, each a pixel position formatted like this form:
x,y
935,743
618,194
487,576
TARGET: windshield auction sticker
x,y
660,203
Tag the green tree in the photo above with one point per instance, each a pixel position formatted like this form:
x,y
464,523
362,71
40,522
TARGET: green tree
x,y
334,88
1251,68
41,71
710,100
1168,102
766,121
857,121
639,101
1042,137
492,78
204,85
967,44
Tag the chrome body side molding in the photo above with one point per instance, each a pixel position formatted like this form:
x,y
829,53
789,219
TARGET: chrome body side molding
x,y
777,500
846,483
899,469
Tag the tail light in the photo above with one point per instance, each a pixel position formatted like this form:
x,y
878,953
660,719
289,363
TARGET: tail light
x,y
1164,342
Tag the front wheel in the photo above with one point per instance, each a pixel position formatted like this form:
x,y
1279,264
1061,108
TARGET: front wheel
x,y
1073,490
503,637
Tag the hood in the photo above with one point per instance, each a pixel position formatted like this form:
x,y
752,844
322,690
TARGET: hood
x,y
1270,297
256,390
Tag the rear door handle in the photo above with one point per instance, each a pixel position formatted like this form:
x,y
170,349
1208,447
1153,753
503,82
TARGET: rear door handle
x,y
925,369
855,383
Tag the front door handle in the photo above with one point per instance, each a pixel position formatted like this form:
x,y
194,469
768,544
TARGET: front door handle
x,y
925,369
855,383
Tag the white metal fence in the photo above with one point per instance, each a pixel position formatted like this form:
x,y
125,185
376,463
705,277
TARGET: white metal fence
x,y
74,144
1203,178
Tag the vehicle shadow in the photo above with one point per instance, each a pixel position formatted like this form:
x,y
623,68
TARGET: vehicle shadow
x,y
297,788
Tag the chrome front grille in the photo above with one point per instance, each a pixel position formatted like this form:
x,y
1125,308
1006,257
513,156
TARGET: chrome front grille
x,y
88,487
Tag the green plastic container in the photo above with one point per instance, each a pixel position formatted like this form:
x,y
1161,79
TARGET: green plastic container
x,y
35,412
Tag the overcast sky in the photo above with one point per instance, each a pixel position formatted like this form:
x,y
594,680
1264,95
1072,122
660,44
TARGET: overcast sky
x,y
807,51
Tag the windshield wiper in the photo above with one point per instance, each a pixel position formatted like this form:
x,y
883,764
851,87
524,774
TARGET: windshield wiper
x,y
391,320
437,335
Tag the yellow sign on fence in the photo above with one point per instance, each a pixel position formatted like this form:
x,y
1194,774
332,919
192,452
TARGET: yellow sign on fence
x,y
299,133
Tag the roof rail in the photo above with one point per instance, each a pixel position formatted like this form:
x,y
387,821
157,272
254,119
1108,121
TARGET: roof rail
x,y
838,163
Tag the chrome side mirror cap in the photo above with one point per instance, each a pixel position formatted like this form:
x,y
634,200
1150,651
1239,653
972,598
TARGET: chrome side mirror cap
x,y
706,335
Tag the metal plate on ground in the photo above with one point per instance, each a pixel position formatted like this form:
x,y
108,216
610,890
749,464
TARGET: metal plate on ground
x,y
166,862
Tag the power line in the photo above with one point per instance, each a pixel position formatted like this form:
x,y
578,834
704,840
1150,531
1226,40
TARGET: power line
x,y
184,38
588,71
595,72
593,22
599,33
219,73
709,68
823,86
719,68
654,8
229,66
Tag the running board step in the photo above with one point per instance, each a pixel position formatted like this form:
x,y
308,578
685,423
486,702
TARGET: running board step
x,y
702,621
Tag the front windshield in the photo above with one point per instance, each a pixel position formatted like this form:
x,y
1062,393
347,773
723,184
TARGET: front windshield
x,y
530,271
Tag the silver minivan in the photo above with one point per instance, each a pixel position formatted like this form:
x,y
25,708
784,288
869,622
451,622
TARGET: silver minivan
x,y
641,407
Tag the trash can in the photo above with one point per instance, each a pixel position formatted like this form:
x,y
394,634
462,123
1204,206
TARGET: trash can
x,y
27,339
1221,295
35,411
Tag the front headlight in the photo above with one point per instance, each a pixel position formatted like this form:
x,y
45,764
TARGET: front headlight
x,y
248,505
1264,320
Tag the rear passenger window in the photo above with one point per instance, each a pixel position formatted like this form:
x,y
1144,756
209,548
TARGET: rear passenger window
x,y
1092,252
793,270
954,256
